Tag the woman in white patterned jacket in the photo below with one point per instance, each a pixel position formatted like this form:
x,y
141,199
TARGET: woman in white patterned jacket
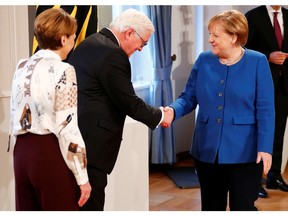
x,y
49,153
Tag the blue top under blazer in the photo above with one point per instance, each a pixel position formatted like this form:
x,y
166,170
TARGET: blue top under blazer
x,y
236,117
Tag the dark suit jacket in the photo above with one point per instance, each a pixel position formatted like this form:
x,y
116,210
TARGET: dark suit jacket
x,y
105,96
262,38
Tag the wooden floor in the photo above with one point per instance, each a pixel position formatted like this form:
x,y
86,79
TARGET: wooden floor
x,y
164,195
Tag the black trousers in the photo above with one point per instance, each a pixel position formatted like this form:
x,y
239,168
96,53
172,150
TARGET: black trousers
x,y
42,179
239,182
281,113
98,182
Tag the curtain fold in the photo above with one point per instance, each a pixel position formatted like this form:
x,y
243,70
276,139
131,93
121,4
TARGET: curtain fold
x,y
162,149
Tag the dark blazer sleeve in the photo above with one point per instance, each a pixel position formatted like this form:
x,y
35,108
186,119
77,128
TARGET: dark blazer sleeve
x,y
104,82
115,77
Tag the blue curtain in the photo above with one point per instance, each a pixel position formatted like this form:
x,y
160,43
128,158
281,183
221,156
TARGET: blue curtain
x,y
162,148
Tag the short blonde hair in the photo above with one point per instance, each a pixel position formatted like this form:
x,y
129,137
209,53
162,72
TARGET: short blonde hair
x,y
51,25
234,23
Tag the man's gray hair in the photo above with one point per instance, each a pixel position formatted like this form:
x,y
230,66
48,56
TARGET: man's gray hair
x,y
134,19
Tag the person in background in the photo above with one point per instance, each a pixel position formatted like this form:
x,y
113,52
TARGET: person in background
x,y
263,39
49,153
106,95
233,137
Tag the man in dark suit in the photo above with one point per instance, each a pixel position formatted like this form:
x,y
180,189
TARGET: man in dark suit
x,y
263,38
106,95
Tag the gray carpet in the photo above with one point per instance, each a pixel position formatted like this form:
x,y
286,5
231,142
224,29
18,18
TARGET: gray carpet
x,y
183,177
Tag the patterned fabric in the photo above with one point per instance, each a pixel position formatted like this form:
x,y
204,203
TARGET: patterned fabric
x,y
66,97
44,101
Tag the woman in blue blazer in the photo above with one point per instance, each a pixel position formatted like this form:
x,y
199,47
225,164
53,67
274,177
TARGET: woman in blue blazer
x,y
233,137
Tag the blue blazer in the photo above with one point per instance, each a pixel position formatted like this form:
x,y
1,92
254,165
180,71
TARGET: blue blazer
x,y
236,108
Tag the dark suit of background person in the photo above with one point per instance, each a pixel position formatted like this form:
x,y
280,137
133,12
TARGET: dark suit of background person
x,y
262,38
106,95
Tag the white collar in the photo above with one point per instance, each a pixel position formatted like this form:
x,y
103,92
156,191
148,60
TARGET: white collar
x,y
115,37
46,53
271,10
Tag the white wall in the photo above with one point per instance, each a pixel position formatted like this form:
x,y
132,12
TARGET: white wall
x,y
14,46
183,45
128,184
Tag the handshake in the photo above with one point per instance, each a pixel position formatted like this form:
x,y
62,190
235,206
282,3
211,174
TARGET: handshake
x,y
168,116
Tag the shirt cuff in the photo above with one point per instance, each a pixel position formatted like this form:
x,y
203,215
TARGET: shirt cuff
x,y
162,111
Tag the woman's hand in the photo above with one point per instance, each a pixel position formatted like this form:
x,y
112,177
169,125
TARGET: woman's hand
x,y
85,193
267,161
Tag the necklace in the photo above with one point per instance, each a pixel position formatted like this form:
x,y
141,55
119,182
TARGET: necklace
x,y
231,62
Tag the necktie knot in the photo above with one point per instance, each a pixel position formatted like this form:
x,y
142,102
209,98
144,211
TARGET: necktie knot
x,y
277,30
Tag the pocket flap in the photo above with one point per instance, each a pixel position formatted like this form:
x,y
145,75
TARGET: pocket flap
x,y
244,120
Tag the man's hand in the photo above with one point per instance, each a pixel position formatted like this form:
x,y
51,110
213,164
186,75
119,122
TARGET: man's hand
x,y
278,57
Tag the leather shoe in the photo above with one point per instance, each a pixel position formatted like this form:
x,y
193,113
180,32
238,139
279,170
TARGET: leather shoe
x,y
276,183
262,193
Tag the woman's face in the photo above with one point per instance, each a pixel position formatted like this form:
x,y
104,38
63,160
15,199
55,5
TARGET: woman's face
x,y
220,41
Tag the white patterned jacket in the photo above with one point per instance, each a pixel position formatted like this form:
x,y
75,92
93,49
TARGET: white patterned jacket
x,y
44,101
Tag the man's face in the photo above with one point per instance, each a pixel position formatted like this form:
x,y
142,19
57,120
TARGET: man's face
x,y
133,41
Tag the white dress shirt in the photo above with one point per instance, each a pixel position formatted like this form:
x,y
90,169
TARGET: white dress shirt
x,y
279,17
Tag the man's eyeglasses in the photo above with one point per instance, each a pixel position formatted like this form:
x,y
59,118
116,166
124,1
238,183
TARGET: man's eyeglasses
x,y
144,43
